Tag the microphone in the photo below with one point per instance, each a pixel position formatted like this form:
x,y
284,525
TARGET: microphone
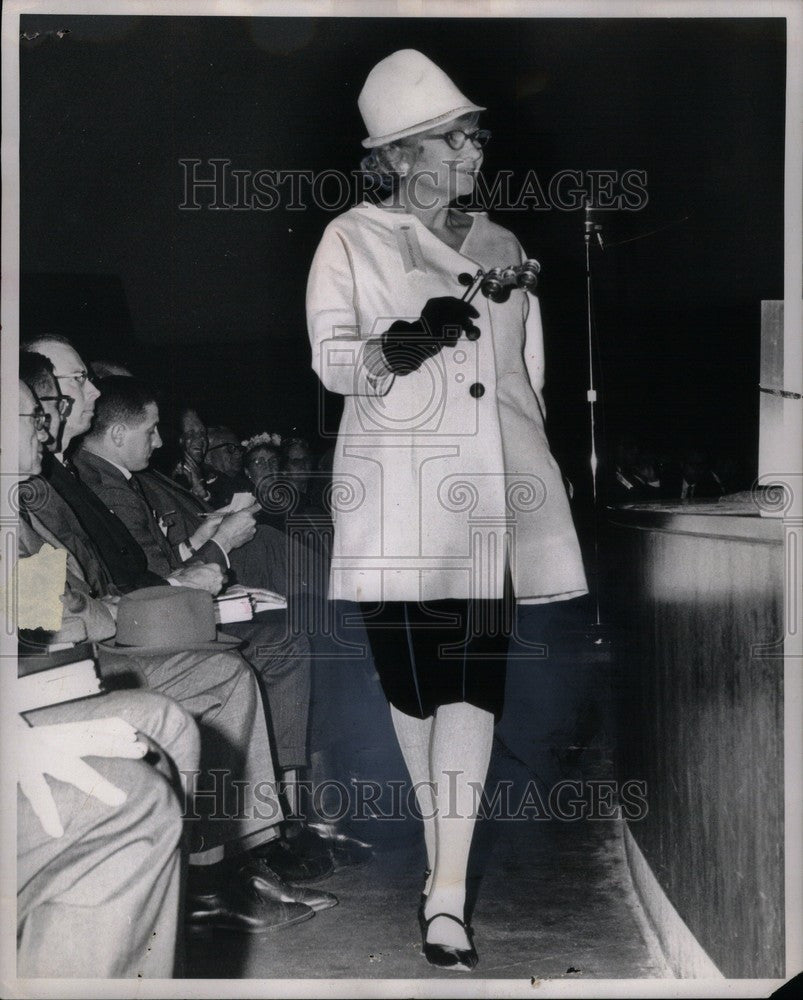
x,y
592,227
589,223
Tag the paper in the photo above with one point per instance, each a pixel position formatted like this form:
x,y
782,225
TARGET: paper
x,y
257,599
266,600
40,583
238,502
53,687
233,608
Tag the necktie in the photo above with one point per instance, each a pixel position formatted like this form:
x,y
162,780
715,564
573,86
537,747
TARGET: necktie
x,y
136,486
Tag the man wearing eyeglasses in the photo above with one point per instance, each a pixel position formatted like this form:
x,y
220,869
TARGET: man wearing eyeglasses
x,y
34,425
219,690
95,819
223,463
75,382
122,556
36,369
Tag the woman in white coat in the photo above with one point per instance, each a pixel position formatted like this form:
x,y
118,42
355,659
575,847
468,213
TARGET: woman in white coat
x,y
447,501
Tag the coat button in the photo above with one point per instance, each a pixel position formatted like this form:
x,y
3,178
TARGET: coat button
x,y
473,333
477,390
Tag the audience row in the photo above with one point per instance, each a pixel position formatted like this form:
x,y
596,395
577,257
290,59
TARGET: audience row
x,y
201,732
642,472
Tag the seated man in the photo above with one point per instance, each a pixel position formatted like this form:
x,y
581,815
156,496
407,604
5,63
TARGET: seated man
x,y
103,368
98,860
219,690
283,659
193,442
118,446
223,465
264,561
108,455
700,482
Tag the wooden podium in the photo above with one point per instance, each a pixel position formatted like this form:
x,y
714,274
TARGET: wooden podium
x,y
780,401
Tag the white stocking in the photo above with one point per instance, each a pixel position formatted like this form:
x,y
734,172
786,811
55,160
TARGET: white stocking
x,y
460,751
414,739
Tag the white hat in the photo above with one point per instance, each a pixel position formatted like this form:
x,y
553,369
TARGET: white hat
x,y
407,93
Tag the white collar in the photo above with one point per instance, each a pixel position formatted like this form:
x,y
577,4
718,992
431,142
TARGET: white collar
x,y
122,469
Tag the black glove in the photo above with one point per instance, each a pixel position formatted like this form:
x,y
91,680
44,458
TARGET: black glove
x,y
406,346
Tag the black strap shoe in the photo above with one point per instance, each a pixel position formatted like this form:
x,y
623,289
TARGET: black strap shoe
x,y
444,956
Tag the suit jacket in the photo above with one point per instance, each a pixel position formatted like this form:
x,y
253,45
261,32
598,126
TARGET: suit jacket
x,y
57,517
222,488
91,619
261,562
81,513
134,510
181,510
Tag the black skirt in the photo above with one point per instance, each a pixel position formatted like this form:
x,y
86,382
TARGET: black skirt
x,y
440,652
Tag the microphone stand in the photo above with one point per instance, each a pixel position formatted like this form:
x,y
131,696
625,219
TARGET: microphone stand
x,y
593,229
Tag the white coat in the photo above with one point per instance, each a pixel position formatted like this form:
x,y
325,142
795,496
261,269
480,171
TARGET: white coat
x,y
435,487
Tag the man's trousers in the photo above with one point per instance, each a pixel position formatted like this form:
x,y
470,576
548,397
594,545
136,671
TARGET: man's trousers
x,y
102,901
232,800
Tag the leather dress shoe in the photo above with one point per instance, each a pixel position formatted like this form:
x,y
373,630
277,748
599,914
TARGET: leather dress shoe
x,y
445,956
344,850
296,860
239,907
271,886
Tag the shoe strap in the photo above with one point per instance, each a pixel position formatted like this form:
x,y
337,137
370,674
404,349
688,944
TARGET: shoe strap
x,y
450,916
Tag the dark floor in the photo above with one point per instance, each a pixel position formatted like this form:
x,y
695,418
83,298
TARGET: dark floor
x,y
550,898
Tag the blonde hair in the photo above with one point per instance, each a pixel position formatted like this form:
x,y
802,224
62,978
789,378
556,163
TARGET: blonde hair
x,y
381,164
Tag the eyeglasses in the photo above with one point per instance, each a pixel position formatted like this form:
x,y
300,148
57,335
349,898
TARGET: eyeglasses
x,y
64,404
231,449
41,420
81,377
457,137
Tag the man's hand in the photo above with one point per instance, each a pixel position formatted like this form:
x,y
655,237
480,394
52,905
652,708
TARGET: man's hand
x,y
200,576
205,530
112,603
57,750
197,485
236,529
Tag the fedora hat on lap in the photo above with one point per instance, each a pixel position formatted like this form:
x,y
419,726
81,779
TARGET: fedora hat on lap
x,y
167,620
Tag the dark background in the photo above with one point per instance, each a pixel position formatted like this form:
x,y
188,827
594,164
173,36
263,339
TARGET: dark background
x,y
210,304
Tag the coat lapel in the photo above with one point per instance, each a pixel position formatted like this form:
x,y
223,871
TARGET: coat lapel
x,y
73,566
33,534
130,506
